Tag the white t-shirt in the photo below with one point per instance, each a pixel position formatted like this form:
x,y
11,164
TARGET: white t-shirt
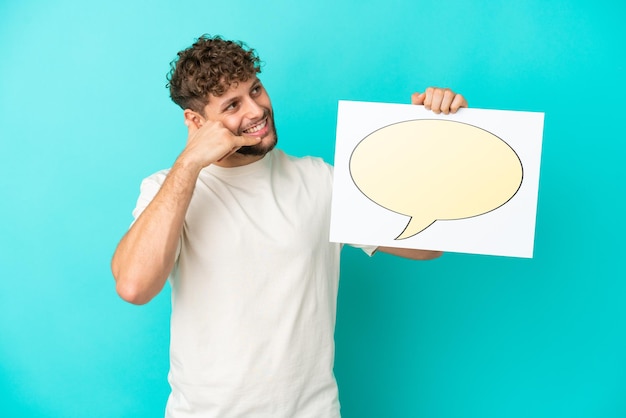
x,y
254,292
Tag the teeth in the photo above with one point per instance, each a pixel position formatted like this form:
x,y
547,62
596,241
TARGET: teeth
x,y
256,128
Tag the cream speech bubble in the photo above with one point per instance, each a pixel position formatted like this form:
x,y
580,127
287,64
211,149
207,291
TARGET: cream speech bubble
x,y
435,170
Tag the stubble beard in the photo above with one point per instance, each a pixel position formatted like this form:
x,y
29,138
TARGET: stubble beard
x,y
261,149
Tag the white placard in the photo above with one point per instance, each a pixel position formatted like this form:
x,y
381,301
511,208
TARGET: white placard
x,y
407,177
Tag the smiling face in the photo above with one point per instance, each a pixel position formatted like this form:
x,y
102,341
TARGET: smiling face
x,y
246,110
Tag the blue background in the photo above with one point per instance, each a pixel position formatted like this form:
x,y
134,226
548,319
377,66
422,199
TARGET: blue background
x,y
84,116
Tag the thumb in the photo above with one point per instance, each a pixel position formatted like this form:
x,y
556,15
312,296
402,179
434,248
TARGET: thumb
x,y
418,98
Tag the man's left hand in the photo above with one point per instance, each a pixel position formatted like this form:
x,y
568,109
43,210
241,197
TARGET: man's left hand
x,y
439,100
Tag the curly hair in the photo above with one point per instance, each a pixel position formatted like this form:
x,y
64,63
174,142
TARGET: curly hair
x,y
210,66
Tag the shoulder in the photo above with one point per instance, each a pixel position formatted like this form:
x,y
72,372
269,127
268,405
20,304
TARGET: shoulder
x,y
155,179
148,189
152,184
313,165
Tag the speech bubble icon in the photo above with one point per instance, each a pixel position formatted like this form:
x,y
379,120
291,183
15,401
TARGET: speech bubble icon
x,y
435,170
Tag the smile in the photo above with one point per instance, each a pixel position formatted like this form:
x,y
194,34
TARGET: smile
x,y
256,128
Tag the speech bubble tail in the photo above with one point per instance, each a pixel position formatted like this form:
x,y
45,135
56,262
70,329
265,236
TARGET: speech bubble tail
x,y
414,227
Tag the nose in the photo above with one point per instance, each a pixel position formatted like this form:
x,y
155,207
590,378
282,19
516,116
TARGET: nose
x,y
252,110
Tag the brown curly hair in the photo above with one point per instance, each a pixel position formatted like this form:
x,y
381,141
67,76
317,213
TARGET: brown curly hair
x,y
210,66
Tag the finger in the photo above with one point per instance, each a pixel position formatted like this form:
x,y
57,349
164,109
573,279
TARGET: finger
x,y
448,97
458,102
418,98
428,100
435,106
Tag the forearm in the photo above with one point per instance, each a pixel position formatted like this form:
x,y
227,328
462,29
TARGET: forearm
x,y
411,253
145,256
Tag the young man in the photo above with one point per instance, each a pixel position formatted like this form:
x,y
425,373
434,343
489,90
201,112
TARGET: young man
x,y
241,230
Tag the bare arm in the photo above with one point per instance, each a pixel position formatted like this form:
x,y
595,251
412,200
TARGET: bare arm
x,y
411,253
146,255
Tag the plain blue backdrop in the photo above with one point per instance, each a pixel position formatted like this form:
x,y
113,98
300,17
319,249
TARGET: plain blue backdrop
x,y
84,116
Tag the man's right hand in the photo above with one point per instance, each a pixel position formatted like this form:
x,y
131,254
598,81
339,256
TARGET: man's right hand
x,y
209,142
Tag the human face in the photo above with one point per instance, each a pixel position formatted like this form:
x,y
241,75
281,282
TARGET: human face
x,y
246,110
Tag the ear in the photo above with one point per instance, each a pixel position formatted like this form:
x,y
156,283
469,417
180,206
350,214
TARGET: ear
x,y
193,118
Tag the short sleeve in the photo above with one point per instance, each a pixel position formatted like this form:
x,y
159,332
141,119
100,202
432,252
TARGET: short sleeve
x,y
150,186
367,249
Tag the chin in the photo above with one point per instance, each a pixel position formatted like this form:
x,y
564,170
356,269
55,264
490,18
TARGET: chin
x,y
260,149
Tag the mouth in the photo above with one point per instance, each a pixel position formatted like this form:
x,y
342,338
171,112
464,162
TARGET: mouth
x,y
258,129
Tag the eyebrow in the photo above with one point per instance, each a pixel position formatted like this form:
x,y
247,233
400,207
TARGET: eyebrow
x,y
228,102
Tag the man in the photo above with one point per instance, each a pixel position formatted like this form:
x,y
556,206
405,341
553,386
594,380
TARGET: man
x,y
241,229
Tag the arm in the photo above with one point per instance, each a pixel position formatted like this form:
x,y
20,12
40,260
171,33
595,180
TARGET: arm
x,y
439,101
146,255
411,253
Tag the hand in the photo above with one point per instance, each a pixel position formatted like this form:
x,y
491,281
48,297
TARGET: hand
x,y
211,142
439,100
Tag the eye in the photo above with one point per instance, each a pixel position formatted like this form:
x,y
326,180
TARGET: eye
x,y
232,106
256,90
